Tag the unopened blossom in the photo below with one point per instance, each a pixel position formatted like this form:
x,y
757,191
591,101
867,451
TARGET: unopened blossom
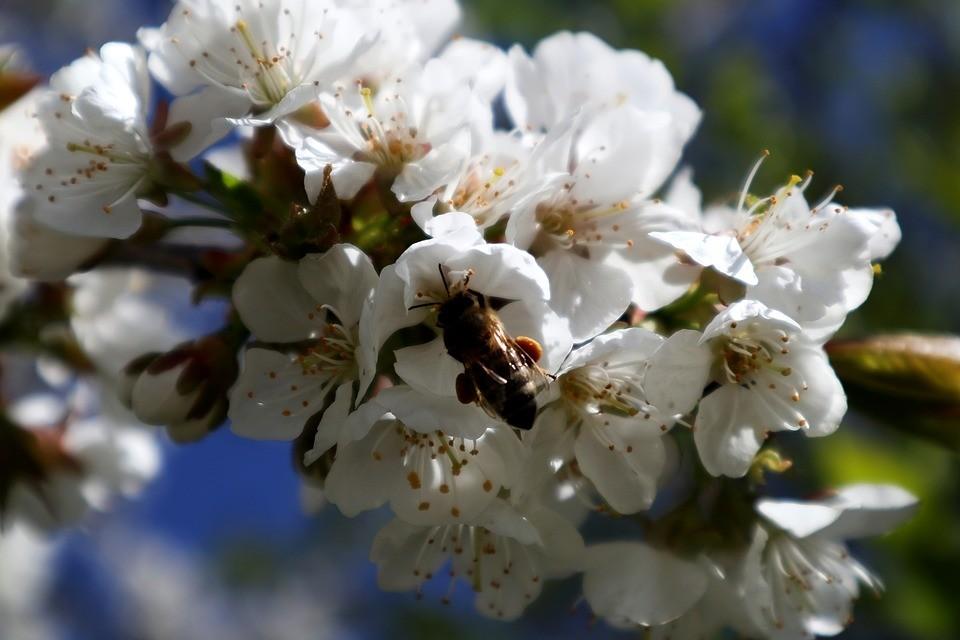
x,y
771,377
252,59
505,555
617,395
430,272
591,231
799,579
573,71
436,476
98,157
317,307
811,262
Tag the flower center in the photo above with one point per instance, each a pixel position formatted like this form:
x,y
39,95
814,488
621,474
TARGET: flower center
x,y
391,142
480,189
595,389
568,225
332,355
743,356
269,67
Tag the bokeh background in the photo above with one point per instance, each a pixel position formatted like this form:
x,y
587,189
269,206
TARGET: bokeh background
x,y
865,92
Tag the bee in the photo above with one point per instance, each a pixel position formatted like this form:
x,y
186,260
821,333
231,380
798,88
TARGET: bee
x,y
500,373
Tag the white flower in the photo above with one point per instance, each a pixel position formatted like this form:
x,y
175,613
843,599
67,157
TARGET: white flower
x,y
572,71
429,272
505,556
118,314
799,579
508,175
771,377
616,405
415,134
427,476
591,232
26,559
98,157
262,59
316,307
634,585
409,31
33,249
90,451
812,263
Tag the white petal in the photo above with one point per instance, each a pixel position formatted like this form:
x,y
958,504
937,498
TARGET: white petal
x,y
723,253
729,431
273,304
361,476
341,278
626,475
429,413
589,293
206,112
632,582
678,373
503,271
267,402
441,165
428,368
801,519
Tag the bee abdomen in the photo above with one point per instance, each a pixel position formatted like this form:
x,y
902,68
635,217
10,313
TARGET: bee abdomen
x,y
520,410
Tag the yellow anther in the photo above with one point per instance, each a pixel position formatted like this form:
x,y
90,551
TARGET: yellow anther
x,y
367,94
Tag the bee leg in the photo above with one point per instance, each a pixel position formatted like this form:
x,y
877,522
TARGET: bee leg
x,y
530,347
466,391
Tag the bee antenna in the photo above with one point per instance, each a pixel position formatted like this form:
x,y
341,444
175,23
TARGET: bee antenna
x,y
421,306
443,277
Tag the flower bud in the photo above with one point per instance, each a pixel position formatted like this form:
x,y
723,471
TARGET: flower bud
x,y
184,389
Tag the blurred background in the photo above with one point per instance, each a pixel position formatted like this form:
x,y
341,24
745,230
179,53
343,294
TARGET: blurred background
x,y
864,92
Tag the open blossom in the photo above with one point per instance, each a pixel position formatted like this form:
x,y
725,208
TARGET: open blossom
x,y
505,555
812,263
613,420
771,378
591,231
98,157
34,250
573,71
507,174
73,454
799,579
413,133
429,476
429,272
408,32
254,60
317,307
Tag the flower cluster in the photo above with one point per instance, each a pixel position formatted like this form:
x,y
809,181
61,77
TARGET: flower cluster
x,y
491,329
